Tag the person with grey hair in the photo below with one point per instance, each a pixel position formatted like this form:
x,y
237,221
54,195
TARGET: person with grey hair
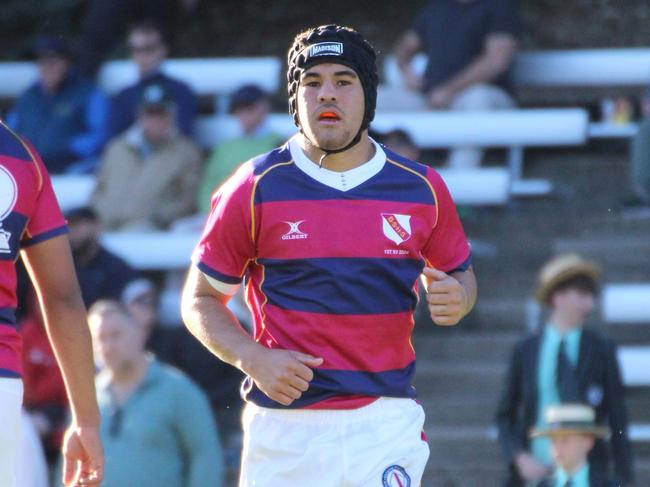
x,y
157,426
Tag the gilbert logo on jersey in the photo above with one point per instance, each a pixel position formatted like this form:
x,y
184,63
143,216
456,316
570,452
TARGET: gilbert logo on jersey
x,y
396,227
294,232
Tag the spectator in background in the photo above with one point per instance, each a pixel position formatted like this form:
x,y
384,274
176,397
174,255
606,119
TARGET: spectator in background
x,y
573,432
156,424
148,51
101,274
176,346
400,141
155,165
63,114
565,363
470,45
106,20
250,105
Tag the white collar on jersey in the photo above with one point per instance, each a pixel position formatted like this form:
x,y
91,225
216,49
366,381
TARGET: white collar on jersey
x,y
343,181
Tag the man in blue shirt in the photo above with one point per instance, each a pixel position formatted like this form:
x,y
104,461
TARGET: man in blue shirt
x,y
62,113
148,51
470,46
566,362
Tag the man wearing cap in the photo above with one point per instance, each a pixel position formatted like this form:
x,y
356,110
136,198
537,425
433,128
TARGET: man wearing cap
x,y
149,175
573,431
331,232
250,105
566,362
63,114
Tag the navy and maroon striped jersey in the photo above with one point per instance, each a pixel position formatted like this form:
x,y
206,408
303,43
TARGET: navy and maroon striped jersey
x,y
331,261
29,214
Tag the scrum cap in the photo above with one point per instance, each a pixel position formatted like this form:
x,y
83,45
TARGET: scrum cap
x,y
334,44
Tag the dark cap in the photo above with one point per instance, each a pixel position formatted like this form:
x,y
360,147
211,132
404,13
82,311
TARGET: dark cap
x,y
246,96
50,45
156,96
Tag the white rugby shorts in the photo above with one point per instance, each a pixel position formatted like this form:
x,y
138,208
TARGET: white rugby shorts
x,y
379,445
11,400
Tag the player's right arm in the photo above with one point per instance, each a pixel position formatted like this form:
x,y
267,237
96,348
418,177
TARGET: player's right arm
x,y
283,375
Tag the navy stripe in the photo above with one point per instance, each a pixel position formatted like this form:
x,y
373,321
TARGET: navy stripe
x,y
8,316
377,286
42,237
329,383
217,275
464,266
11,146
289,183
12,374
264,161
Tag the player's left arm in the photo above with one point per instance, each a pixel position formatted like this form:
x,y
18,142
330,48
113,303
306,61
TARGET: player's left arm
x,y
449,296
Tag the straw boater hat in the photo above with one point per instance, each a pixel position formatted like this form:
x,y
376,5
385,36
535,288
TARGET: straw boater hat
x,y
560,269
570,419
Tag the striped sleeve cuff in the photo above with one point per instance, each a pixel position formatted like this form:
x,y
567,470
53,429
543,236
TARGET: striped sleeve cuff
x,y
42,237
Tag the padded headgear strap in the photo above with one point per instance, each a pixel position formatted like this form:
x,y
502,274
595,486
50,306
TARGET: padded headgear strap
x,y
334,44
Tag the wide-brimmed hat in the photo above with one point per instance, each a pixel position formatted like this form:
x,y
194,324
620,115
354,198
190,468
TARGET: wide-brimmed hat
x,y
570,419
561,269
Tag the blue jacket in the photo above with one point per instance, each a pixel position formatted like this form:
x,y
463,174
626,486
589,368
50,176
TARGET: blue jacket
x,y
124,107
65,127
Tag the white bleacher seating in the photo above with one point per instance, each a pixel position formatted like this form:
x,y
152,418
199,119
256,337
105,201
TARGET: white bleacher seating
x,y
561,68
583,67
635,365
73,191
152,250
526,127
207,76
566,68
505,128
15,77
626,303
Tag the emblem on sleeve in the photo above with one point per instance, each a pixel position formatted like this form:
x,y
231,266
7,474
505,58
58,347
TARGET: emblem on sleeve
x,y
396,227
8,198
8,193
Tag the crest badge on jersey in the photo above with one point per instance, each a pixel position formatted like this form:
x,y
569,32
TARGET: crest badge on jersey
x,y
396,227
8,198
395,476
